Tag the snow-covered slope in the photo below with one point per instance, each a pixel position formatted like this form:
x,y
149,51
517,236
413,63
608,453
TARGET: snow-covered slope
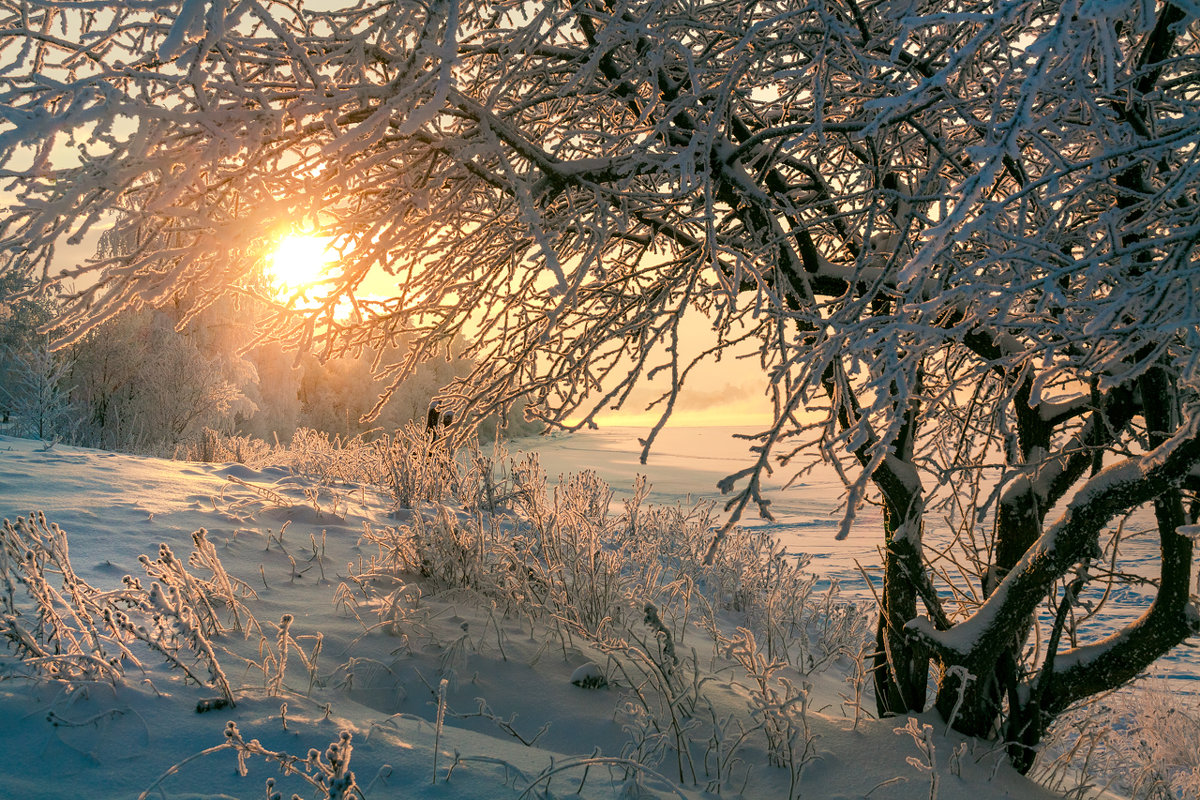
x,y
506,678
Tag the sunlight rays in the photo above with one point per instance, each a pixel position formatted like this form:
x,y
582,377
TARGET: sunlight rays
x,y
299,262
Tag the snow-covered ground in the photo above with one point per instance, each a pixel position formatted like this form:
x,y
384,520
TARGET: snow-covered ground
x,y
503,677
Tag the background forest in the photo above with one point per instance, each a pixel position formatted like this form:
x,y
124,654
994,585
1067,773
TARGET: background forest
x,y
142,383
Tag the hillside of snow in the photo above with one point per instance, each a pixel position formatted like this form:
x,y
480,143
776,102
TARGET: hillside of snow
x,y
356,637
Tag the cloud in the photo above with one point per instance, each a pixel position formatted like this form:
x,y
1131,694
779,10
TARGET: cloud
x,y
696,399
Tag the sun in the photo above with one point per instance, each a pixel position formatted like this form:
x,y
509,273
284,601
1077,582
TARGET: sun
x,y
299,261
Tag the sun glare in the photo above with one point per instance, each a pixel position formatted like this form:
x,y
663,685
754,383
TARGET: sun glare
x,y
299,261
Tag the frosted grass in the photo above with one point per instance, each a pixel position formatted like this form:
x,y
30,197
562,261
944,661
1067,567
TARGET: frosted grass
x,y
687,463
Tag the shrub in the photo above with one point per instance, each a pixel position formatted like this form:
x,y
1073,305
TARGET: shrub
x,y
61,627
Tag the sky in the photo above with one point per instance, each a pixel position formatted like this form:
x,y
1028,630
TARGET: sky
x,y
731,392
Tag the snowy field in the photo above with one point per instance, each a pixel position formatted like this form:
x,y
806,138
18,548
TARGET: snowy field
x,y
512,723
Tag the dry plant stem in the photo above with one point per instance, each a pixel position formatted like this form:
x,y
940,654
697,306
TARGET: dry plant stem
x,y
441,718
175,768
922,735
328,773
592,761
281,654
506,725
269,495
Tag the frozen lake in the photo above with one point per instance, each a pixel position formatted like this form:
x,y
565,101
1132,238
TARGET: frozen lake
x,y
686,464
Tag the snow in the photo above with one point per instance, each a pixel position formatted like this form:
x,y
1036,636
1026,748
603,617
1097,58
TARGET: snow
x,y
504,676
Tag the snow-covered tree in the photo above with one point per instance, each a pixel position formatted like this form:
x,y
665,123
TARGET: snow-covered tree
x,y
21,316
35,390
961,239
139,384
275,392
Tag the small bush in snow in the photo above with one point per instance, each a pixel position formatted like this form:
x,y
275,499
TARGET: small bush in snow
x,y
635,583
60,627
1152,752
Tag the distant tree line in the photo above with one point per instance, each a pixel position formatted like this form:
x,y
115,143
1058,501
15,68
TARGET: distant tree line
x,y
142,383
